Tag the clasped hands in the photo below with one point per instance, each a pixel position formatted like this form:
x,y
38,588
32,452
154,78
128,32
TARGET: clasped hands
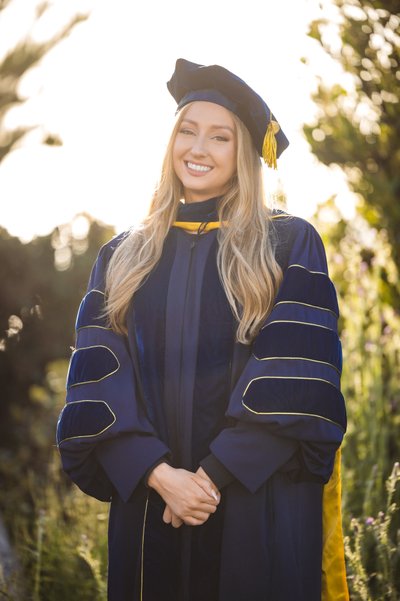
x,y
190,497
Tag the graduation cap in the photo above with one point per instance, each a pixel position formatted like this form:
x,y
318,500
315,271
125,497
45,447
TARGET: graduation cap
x,y
213,83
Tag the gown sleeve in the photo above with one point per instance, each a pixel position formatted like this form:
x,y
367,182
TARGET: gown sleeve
x,y
287,408
104,437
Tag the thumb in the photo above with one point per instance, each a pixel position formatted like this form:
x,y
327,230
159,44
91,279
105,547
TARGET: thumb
x,y
208,487
167,515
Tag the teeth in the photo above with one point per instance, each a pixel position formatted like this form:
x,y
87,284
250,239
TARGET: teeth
x,y
198,167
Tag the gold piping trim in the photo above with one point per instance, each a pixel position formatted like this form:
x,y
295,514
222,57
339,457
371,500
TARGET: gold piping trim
x,y
84,348
309,270
88,435
79,309
280,215
302,359
286,378
307,305
90,292
193,226
292,413
304,323
99,327
142,555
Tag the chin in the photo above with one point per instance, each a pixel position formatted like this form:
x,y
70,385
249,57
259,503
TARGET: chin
x,y
196,194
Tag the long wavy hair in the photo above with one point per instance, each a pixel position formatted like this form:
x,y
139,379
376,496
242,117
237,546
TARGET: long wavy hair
x,y
246,260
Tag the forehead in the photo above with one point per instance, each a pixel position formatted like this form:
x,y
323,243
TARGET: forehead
x,y
209,113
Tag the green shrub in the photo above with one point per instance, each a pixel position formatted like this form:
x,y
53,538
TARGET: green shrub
x,y
65,555
373,549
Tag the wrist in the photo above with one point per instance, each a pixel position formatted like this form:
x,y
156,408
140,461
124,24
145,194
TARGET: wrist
x,y
157,475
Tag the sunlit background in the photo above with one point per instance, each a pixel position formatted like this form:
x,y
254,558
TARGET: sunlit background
x,y
99,116
102,92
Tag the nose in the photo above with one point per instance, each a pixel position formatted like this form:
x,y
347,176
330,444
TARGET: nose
x,y
199,146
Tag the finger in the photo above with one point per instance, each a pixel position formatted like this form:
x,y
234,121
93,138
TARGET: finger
x,y
205,483
167,515
200,472
195,521
176,522
207,505
208,488
213,489
197,515
215,494
207,508
204,507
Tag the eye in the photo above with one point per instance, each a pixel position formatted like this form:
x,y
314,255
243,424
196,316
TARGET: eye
x,y
221,138
186,131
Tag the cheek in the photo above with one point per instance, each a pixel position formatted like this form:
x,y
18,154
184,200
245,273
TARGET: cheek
x,y
176,153
180,146
231,161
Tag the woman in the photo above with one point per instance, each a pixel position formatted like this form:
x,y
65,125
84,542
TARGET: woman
x,y
203,394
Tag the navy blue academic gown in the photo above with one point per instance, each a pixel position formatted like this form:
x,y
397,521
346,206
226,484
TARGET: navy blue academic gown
x,y
264,421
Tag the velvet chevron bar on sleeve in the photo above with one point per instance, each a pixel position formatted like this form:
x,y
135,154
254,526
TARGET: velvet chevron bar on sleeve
x,y
103,405
291,383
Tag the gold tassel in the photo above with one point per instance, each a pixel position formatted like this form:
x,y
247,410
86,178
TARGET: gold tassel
x,y
269,144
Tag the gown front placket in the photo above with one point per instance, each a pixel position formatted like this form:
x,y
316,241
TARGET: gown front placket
x,y
181,334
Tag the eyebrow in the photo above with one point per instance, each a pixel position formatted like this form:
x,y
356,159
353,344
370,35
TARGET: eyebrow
x,y
212,126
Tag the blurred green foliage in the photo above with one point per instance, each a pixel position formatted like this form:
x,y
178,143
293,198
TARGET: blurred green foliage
x,y
54,528
25,55
373,549
358,127
62,538
363,270
358,124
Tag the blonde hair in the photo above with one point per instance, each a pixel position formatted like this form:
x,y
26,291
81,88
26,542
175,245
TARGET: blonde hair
x,y
246,260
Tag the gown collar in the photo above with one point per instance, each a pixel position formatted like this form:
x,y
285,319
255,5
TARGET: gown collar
x,y
202,211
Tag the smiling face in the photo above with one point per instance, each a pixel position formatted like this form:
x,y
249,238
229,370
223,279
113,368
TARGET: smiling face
x,y
204,151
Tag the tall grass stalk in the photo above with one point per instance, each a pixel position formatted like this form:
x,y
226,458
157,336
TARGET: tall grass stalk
x,y
39,554
373,550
